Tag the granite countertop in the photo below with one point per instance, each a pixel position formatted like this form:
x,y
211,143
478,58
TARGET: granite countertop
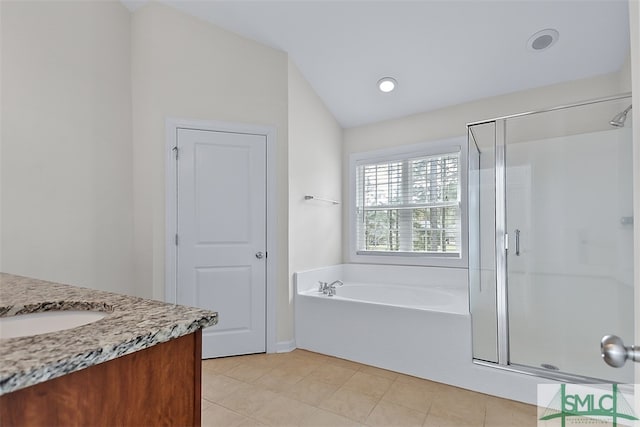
x,y
132,324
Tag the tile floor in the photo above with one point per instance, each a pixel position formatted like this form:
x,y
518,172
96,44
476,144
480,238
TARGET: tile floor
x,y
309,389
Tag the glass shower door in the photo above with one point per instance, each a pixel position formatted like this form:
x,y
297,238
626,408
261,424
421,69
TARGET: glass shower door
x,y
568,191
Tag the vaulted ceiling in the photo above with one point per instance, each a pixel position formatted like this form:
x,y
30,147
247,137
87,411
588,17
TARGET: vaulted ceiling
x,y
441,52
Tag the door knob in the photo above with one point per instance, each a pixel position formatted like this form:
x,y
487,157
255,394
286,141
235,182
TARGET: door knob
x,y
259,255
615,353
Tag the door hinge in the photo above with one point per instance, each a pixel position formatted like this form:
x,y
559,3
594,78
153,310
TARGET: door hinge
x,y
175,150
176,239
506,242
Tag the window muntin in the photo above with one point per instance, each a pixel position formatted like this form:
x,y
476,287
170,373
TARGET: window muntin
x,y
409,206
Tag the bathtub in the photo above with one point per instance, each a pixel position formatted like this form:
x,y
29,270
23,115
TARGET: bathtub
x,y
431,298
412,320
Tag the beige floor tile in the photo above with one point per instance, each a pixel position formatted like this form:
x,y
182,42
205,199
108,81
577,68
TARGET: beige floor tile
x,y
462,413
437,388
250,422
283,411
278,380
264,360
343,363
461,394
209,368
427,384
204,404
310,391
216,415
433,420
371,385
511,420
217,387
413,395
456,406
331,374
349,403
309,355
465,404
372,370
290,388
220,365
503,412
403,378
248,399
498,404
300,366
247,372
322,418
387,414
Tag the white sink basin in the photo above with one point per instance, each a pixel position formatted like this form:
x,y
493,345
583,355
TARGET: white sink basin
x,y
24,325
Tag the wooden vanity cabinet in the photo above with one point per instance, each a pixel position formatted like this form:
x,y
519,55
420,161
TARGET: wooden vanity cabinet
x,y
157,386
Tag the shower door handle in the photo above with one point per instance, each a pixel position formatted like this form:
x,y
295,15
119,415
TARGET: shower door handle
x,y
615,353
517,242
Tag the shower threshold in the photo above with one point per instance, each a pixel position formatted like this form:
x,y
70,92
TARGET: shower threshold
x,y
558,376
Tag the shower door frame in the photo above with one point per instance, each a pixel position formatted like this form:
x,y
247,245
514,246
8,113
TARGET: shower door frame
x,y
501,246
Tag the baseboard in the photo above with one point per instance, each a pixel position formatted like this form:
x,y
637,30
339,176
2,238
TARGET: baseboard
x,y
285,346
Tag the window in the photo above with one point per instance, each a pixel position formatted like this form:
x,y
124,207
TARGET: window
x,y
409,204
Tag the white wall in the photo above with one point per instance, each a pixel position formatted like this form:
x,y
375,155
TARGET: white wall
x,y
315,153
66,192
183,67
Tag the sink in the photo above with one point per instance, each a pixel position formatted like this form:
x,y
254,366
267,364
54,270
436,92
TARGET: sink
x,y
24,325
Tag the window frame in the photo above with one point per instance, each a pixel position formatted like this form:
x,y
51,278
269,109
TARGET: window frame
x,y
428,148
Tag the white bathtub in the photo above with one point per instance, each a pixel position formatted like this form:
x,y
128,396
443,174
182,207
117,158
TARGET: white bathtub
x,y
413,320
432,298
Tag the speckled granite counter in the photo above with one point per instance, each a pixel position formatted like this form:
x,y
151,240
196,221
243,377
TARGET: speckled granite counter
x,y
132,324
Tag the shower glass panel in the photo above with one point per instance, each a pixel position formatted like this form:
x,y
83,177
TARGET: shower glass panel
x,y
570,258
482,259
551,240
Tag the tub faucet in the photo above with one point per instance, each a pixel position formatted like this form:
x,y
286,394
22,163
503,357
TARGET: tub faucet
x,y
322,287
331,288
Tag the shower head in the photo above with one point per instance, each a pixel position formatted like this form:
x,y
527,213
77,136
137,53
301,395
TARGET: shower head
x,y
619,119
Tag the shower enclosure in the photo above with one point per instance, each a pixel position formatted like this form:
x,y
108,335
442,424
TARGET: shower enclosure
x,y
551,240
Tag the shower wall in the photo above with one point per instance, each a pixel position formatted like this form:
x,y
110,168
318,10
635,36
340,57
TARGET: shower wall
x,y
587,179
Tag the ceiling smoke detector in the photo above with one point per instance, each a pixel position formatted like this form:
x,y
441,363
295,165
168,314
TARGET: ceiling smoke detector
x,y
387,84
543,40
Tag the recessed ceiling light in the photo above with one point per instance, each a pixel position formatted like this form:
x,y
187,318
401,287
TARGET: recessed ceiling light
x,y
387,84
543,40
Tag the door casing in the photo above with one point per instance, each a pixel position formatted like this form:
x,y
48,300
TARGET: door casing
x,y
171,194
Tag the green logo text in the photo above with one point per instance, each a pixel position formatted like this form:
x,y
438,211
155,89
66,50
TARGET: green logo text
x,y
589,405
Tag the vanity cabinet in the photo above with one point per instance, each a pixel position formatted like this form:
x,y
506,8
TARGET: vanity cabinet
x,y
156,386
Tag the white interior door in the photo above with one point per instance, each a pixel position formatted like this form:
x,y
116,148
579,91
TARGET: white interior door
x,y
221,223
